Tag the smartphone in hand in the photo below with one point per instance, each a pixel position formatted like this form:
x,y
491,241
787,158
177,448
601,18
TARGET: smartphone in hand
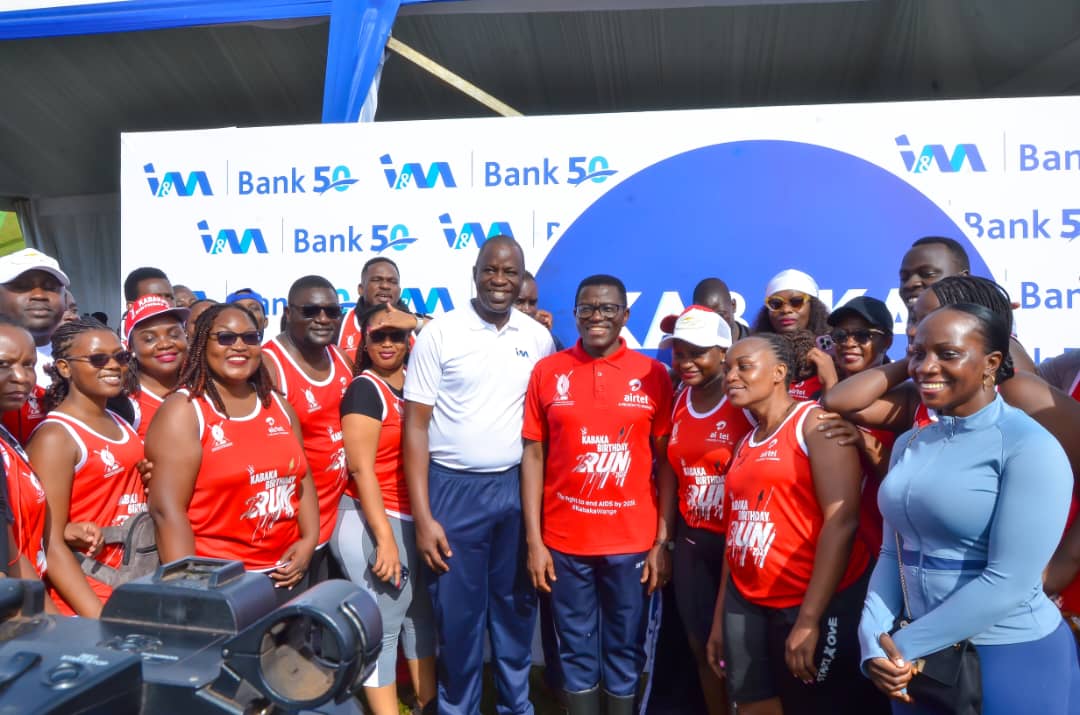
x,y
401,581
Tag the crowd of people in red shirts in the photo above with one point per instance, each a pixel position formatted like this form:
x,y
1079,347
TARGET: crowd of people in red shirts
x,y
827,523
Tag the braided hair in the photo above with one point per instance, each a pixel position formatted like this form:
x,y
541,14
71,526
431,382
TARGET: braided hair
x,y
195,374
964,292
363,360
975,290
818,323
62,339
784,352
801,343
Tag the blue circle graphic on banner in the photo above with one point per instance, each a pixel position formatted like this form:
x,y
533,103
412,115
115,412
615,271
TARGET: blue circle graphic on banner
x,y
744,211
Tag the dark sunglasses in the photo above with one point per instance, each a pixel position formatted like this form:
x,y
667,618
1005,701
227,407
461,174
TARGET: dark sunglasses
x,y
861,336
776,303
100,360
227,337
310,312
378,337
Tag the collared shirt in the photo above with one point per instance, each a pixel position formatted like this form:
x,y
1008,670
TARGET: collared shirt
x,y
474,376
597,417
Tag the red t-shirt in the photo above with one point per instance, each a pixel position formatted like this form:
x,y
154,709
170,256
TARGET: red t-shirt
x,y
247,493
22,422
369,395
774,518
317,405
597,417
700,451
27,499
145,404
106,488
923,417
808,389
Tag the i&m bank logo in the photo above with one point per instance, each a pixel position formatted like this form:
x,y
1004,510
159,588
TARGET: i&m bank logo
x,y
230,240
472,232
416,175
937,156
175,183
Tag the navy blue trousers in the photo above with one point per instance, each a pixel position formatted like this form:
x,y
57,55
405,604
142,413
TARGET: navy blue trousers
x,y
601,613
487,587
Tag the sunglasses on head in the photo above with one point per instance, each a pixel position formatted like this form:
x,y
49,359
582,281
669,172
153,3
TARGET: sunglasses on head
x,y
226,338
100,360
310,312
861,336
377,337
776,303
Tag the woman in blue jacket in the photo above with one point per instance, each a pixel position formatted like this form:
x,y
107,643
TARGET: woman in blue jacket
x,y
977,503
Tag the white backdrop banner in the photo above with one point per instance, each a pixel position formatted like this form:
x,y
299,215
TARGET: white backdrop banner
x,y
659,199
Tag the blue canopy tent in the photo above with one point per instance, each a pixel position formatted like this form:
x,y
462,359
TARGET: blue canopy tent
x,y
358,32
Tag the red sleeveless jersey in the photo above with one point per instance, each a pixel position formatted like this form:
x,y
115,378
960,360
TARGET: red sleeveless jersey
x,y
246,497
351,337
145,404
871,525
774,518
700,451
317,404
923,417
389,465
27,499
808,389
106,488
22,422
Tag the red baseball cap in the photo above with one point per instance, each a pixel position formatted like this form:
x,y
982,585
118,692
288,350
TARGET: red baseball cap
x,y
150,306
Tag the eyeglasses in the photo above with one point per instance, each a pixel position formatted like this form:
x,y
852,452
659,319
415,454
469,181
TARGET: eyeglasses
x,y
225,338
378,337
776,303
861,336
310,312
100,360
606,310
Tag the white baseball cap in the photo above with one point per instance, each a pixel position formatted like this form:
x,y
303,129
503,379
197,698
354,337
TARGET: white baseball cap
x,y
792,279
15,264
698,326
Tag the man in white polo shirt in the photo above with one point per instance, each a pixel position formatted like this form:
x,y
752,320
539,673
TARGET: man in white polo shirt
x,y
464,401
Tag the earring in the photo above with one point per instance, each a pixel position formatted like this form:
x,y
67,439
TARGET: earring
x,y
988,381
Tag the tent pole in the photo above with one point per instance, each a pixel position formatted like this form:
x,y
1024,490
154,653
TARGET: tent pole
x,y
454,80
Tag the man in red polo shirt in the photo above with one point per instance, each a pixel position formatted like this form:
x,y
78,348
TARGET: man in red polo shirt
x,y
597,416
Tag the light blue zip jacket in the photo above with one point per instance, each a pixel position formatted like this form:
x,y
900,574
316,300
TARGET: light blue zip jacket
x,y
979,503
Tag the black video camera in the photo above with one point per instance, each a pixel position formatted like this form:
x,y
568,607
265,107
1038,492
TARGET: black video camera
x,y
198,637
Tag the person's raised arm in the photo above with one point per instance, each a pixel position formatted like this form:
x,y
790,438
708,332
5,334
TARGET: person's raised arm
x,y
877,397
173,445
53,455
837,480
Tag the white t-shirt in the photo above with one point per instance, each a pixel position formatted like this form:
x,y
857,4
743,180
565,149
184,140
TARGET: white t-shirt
x,y
44,357
475,378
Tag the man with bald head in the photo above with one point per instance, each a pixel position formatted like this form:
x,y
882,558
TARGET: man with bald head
x,y
464,406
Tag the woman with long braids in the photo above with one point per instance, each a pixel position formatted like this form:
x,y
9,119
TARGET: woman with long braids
x,y
793,310
155,334
374,540
974,504
86,457
230,478
784,628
